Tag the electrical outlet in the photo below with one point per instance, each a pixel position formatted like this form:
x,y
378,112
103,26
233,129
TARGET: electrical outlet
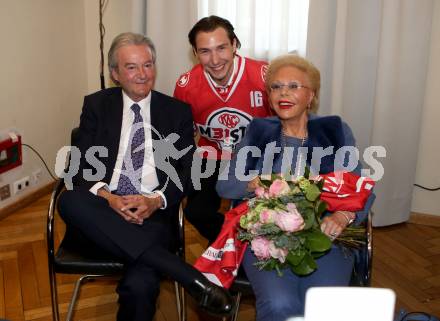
x,y
21,184
17,187
36,176
5,192
26,181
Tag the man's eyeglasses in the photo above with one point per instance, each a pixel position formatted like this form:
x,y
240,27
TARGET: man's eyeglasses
x,y
291,86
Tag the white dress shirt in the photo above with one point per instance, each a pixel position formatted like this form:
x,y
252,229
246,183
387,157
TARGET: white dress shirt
x,y
149,177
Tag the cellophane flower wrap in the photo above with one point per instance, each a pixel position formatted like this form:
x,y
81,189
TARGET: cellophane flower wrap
x,y
282,225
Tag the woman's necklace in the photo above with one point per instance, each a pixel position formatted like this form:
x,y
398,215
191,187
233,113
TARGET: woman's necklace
x,y
300,159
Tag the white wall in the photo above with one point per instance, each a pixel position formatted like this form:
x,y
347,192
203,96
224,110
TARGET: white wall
x,y
116,19
428,171
50,60
43,76
168,23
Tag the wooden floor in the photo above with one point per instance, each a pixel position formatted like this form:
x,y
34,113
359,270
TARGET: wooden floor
x,y
406,259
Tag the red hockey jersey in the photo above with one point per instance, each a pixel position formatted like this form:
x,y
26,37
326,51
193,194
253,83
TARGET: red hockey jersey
x,y
220,117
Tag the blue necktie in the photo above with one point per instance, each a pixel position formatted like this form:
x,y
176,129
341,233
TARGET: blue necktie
x,y
131,176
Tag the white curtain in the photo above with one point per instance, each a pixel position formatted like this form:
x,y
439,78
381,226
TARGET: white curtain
x,y
167,24
373,57
139,11
266,29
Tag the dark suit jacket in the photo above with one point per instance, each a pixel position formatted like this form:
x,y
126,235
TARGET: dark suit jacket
x,y
100,125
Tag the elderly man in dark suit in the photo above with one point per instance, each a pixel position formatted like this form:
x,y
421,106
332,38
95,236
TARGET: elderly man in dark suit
x,y
125,195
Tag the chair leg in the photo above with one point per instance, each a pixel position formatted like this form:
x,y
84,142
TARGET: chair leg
x,y
83,279
54,294
180,301
183,302
75,293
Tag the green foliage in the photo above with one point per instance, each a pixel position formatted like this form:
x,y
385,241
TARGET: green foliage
x,y
309,218
312,192
243,235
306,266
307,172
296,257
265,182
288,241
266,264
293,197
320,208
268,229
320,184
317,241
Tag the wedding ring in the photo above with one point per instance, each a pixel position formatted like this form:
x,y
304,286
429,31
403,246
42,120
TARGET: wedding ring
x,y
333,234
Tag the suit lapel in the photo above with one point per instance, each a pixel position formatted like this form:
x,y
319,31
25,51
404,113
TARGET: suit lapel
x,y
159,130
158,122
114,110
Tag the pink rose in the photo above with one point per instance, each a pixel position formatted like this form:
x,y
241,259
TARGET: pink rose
x,y
291,208
278,187
277,253
259,192
289,221
260,247
267,216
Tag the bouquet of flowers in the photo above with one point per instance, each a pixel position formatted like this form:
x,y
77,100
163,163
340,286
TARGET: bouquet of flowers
x,y
282,225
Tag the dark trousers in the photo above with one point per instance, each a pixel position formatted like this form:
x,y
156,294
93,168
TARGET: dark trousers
x,y
144,249
202,207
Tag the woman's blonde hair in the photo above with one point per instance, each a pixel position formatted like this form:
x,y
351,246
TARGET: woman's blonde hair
x,y
302,64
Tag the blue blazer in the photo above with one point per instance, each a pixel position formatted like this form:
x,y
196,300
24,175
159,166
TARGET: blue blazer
x,y
322,132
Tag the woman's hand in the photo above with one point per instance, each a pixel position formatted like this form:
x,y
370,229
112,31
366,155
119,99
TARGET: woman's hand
x,y
253,184
333,225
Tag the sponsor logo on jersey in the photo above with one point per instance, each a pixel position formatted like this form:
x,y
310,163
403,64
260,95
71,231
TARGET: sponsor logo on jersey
x,y
183,80
226,127
263,72
223,90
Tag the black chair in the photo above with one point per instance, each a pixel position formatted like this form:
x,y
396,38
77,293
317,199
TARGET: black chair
x,y
72,258
361,275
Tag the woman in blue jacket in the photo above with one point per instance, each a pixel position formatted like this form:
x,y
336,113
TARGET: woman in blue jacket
x,y
294,138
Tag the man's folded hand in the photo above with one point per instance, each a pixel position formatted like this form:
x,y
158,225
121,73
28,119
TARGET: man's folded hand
x,y
144,205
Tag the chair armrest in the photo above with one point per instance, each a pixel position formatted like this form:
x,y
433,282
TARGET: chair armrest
x,y
181,228
58,188
362,216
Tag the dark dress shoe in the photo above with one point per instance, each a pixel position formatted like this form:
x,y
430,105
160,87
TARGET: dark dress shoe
x,y
212,298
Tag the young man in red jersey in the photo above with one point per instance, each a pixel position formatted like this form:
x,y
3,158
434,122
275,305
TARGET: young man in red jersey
x,y
225,92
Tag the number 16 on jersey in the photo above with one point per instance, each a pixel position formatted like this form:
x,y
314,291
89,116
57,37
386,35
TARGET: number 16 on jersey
x,y
256,98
